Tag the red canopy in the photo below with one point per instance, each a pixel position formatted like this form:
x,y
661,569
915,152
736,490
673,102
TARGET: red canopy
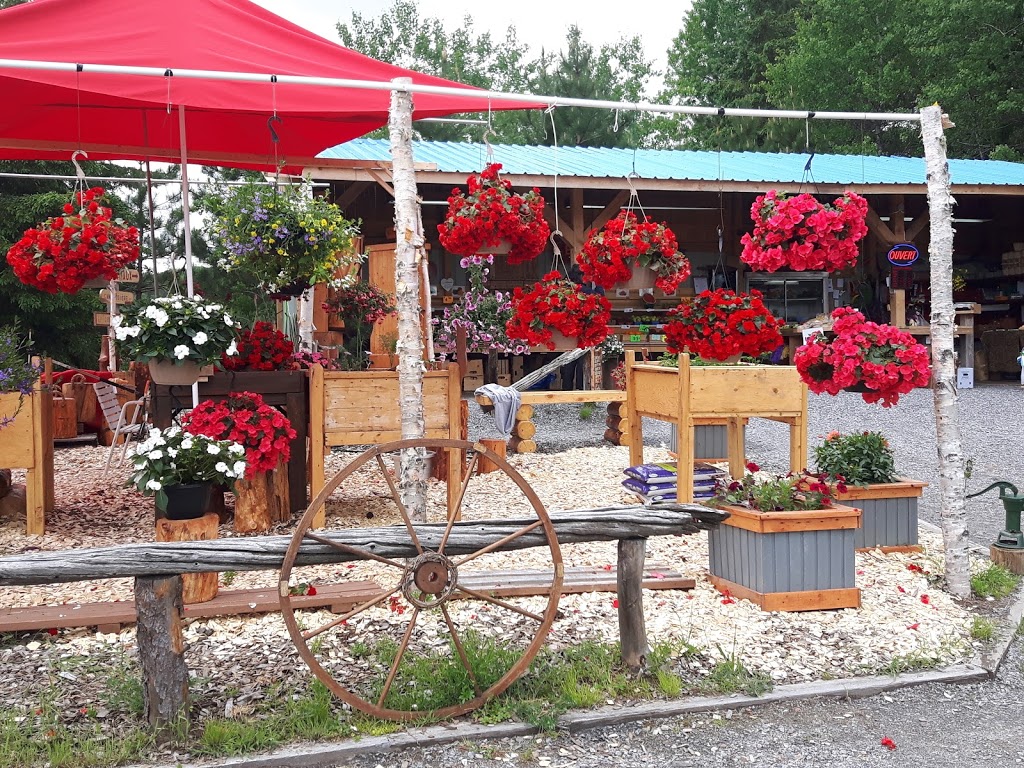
x,y
47,115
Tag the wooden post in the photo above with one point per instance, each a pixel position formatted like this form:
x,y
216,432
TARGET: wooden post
x,y
195,587
161,648
636,434
684,430
485,465
629,580
317,449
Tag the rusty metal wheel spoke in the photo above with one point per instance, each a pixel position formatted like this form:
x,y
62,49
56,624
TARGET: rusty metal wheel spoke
x,y
398,657
499,543
353,550
397,497
311,633
429,675
459,649
495,601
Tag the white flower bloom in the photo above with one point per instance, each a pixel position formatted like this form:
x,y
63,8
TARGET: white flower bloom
x,y
221,467
156,455
154,485
154,432
116,321
176,304
151,312
236,449
186,444
120,334
227,321
239,468
200,338
213,449
181,351
233,348
172,452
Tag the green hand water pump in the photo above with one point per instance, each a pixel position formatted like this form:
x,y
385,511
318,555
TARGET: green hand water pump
x,y
1013,503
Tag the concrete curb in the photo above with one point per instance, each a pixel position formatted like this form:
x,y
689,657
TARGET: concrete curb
x,y
323,755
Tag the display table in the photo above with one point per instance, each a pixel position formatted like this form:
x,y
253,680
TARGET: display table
x,y
288,390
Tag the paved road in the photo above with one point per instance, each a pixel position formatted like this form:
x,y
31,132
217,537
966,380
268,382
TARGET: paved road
x,y
934,726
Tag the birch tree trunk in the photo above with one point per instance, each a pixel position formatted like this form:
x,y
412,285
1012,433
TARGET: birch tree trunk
x,y
947,412
305,312
408,253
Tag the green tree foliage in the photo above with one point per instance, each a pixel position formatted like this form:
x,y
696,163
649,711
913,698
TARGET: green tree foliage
x,y
719,59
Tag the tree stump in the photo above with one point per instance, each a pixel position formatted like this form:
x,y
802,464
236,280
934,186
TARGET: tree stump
x,y
485,465
262,501
518,445
158,601
195,587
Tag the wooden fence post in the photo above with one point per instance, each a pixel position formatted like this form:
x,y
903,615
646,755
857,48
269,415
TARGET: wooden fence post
x,y
161,649
629,581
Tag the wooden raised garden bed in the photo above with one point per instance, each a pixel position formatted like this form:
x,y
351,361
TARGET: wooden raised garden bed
x,y
787,561
890,514
27,443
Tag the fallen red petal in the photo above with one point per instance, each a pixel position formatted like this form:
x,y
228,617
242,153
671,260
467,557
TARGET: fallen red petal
x,y
615,603
888,743
913,626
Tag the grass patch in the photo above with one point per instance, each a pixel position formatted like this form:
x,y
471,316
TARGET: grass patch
x,y
983,629
731,676
911,662
586,411
995,581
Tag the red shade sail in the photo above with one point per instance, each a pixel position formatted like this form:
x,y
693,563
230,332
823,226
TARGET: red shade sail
x,y
47,114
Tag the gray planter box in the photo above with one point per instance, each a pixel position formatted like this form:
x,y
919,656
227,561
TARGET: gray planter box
x,y
787,561
890,514
710,441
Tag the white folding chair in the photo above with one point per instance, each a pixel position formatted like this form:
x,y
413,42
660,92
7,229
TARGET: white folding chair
x,y
123,420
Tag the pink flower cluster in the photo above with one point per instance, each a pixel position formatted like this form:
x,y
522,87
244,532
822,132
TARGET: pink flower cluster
x,y
800,233
885,361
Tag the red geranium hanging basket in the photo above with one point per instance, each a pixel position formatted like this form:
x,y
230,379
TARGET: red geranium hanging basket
x,y
881,361
800,233
626,243
64,252
557,304
489,214
720,324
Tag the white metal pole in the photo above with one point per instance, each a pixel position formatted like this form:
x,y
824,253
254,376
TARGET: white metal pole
x,y
186,219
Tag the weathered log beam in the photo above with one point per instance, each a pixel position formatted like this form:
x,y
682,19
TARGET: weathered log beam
x,y
267,552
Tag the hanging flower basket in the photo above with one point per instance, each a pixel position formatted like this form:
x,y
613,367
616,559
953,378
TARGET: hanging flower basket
x,y
720,325
64,252
882,361
626,246
558,305
261,348
799,233
490,218
177,373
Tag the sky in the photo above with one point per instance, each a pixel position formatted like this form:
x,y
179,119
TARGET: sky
x,y
538,23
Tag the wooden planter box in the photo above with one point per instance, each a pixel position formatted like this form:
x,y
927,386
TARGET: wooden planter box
x,y
288,390
889,514
787,561
27,443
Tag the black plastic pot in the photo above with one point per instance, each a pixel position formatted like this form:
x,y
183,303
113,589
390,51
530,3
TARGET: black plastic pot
x,y
186,501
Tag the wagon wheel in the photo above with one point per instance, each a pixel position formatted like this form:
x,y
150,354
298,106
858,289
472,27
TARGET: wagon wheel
x,y
428,603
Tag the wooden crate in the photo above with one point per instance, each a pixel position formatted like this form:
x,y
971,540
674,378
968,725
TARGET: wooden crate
x,y
787,561
889,514
27,443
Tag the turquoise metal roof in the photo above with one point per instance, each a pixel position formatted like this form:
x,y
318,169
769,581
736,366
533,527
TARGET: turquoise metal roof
x,y
678,164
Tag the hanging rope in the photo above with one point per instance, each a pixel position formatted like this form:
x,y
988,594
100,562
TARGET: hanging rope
x,y
557,263
720,261
810,159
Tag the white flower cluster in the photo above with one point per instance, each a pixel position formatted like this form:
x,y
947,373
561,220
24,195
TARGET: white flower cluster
x,y
163,322
173,456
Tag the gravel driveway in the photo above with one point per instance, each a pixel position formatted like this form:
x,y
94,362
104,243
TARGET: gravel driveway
x,y
991,419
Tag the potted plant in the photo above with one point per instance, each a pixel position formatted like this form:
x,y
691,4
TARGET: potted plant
x,y
181,468
490,217
287,237
786,544
261,348
879,361
627,247
360,306
722,325
482,313
177,335
866,465
84,244
266,434
18,375
556,305
800,233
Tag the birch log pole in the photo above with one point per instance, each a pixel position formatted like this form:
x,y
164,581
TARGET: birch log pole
x,y
408,252
947,412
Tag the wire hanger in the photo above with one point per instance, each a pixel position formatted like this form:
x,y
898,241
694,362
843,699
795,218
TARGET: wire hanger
x,y
557,262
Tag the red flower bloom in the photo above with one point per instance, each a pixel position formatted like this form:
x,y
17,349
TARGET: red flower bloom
x,y
558,304
244,418
888,743
63,252
625,243
264,348
490,212
719,324
887,361
800,233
